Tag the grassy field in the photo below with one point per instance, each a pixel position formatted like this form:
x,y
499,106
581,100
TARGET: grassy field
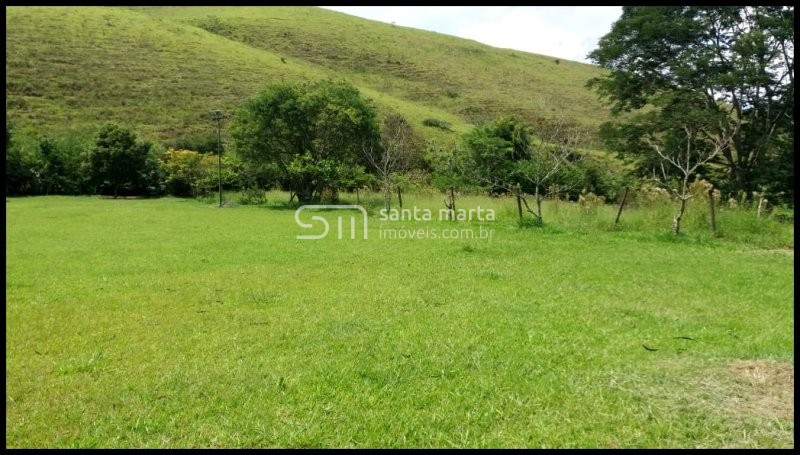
x,y
159,70
172,323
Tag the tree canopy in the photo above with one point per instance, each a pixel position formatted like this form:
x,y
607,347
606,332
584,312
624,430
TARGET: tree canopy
x,y
312,131
736,64
118,163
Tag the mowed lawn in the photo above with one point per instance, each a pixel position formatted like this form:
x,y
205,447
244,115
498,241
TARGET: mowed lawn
x,y
172,323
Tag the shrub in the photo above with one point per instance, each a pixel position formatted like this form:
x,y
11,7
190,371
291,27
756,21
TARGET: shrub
x,y
435,123
253,196
183,171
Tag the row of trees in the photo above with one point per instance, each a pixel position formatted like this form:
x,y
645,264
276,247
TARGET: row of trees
x,y
311,139
323,135
316,138
695,90
115,164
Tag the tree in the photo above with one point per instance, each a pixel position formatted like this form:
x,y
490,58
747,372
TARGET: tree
x,y
556,146
308,130
495,151
686,151
118,163
59,164
184,169
21,177
355,178
398,144
681,139
738,60
450,165
54,167
507,157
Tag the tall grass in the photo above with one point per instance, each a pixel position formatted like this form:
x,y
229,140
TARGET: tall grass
x,y
645,220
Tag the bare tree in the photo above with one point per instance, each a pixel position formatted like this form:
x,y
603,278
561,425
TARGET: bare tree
x,y
700,148
558,141
394,153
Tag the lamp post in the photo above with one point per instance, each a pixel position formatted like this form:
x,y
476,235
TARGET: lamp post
x,y
217,115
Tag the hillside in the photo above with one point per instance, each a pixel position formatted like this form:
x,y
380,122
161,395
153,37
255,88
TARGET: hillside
x,y
160,69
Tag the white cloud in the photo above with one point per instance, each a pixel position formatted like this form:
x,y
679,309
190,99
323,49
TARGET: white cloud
x,y
567,32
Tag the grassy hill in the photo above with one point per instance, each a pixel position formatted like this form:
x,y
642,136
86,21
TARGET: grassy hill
x,y
160,69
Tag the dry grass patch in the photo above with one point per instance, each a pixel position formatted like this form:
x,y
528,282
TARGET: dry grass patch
x,y
766,388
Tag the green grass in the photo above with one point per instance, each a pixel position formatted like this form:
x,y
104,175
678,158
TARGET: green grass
x,y
159,70
172,323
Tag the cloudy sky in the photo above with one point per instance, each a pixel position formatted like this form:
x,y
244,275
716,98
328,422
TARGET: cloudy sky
x,y
568,32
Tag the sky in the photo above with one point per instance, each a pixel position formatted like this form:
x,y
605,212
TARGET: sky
x,y
567,32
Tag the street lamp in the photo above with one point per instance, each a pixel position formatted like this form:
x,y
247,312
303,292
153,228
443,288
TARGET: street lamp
x,y
217,115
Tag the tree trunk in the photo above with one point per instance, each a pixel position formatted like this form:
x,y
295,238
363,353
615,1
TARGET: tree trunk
x,y
621,205
387,196
539,220
304,194
400,197
358,197
519,202
742,183
676,222
452,200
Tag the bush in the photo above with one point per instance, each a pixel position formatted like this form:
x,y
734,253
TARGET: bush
x,y
253,196
435,123
21,168
782,214
183,170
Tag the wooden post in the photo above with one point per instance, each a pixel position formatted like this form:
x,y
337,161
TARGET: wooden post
x,y
621,205
400,197
358,197
519,201
761,205
712,215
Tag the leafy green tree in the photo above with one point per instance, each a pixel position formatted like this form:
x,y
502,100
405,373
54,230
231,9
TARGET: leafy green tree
x,y
54,167
355,178
738,61
21,176
183,170
678,141
506,156
309,130
451,169
547,157
495,151
118,163
60,164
